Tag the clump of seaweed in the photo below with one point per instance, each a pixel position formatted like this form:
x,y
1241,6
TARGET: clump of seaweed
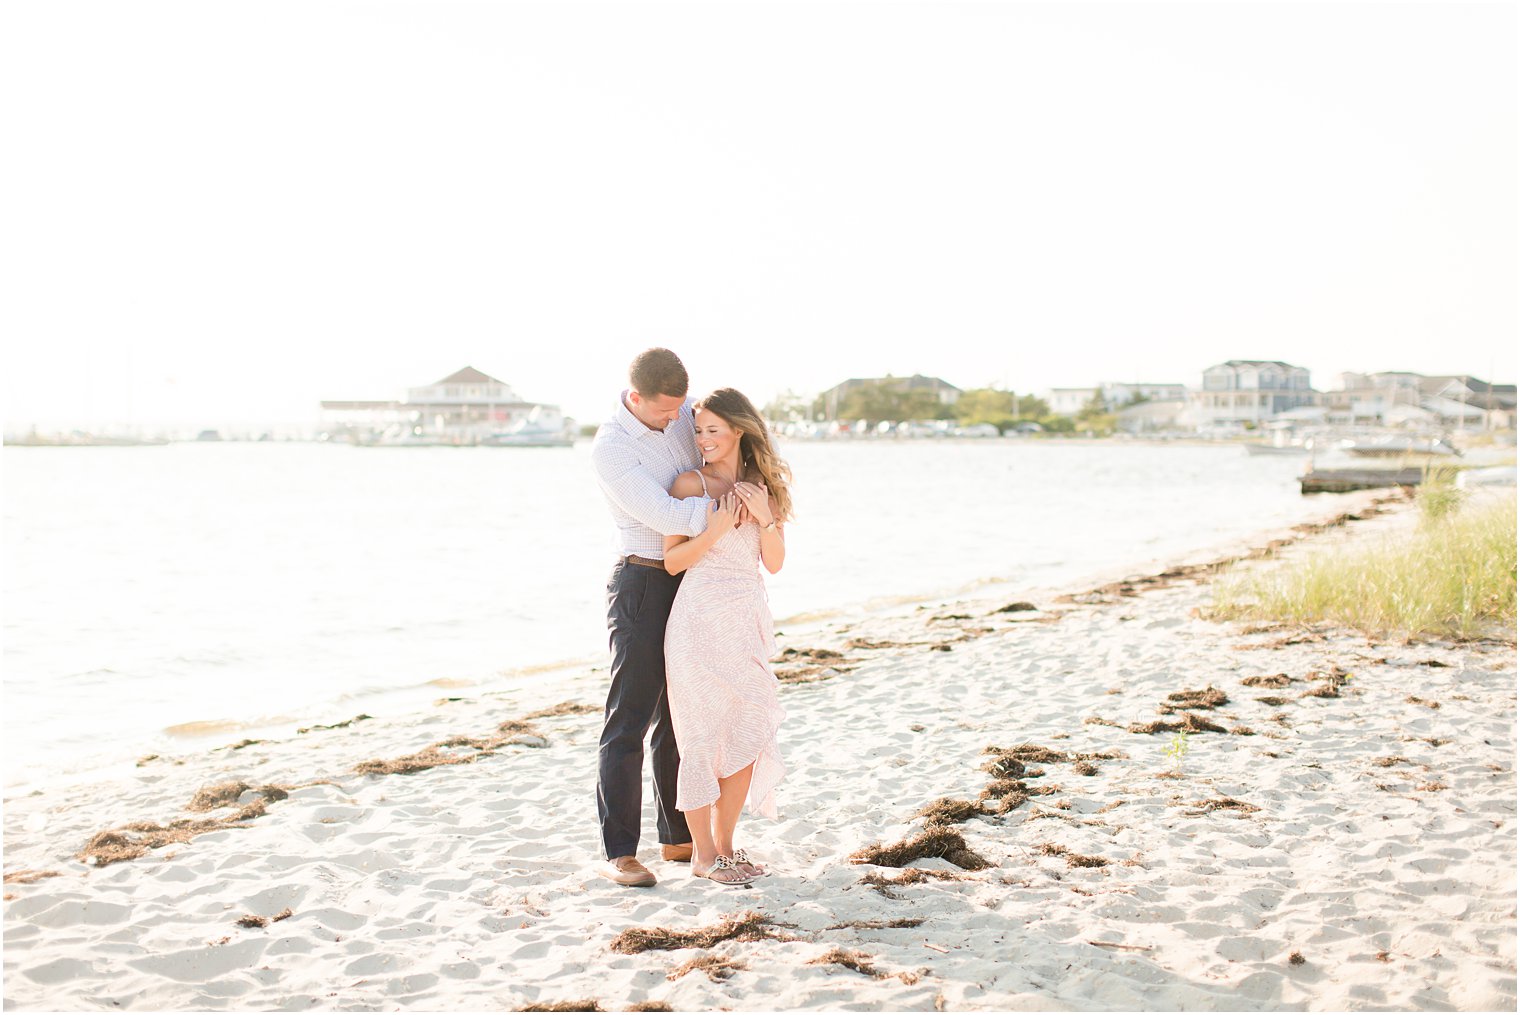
x,y
932,842
1190,723
902,922
337,725
875,643
1274,701
1003,767
226,794
1207,697
649,1006
1085,768
1072,859
450,751
1016,762
750,926
909,876
29,877
1223,804
858,962
254,920
1269,680
1008,795
563,708
949,811
588,1004
1390,761
717,967
1412,700
132,841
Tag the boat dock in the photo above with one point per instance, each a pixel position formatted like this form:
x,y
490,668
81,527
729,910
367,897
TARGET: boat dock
x,y
1346,480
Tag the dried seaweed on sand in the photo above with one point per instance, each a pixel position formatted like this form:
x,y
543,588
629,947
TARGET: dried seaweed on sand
x,y
226,794
750,926
450,751
563,708
909,876
717,967
858,962
1072,859
948,811
1268,680
1190,723
904,922
132,841
932,842
1222,804
1207,697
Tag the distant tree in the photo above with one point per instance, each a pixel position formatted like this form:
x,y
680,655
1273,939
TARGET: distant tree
x,y
786,407
1030,407
986,405
1096,406
1058,424
876,402
1137,398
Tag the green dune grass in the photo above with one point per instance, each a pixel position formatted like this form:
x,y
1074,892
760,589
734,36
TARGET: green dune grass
x,y
1453,577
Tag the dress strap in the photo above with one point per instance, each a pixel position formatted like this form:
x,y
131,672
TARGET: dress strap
x,y
704,483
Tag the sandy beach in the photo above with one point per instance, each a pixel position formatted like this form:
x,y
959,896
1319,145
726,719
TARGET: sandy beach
x,y
1336,831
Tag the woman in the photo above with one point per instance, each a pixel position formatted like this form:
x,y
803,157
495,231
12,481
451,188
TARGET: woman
x,y
720,639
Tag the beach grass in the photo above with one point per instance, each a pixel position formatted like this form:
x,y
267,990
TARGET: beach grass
x,y
1452,577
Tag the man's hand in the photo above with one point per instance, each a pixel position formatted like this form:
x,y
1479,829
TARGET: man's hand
x,y
724,513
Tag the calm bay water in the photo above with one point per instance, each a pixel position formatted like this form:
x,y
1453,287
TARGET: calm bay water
x,y
159,598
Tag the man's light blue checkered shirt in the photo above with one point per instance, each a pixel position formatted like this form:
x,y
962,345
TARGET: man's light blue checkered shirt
x,y
635,466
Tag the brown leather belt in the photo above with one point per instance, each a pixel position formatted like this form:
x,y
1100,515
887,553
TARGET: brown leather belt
x,y
644,562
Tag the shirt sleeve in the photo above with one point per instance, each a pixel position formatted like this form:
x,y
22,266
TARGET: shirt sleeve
x,y
624,481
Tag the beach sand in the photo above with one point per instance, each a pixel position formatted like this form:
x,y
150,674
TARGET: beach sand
x,y
1348,840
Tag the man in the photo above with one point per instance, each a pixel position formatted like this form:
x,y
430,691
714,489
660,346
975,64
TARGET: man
x,y
637,454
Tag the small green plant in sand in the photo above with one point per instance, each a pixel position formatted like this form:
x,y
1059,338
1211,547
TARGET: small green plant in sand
x,y
1177,749
1438,495
1453,576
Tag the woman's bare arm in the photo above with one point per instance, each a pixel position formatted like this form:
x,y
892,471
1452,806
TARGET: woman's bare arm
x,y
681,552
772,543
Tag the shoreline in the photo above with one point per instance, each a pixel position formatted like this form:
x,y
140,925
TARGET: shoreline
x,y
488,853
192,734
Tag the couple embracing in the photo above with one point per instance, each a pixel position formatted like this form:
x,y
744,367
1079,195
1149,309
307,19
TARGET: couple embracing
x,y
698,495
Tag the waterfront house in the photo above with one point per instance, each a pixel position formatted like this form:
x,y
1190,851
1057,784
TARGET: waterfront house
x,y
1153,416
1248,392
1402,398
465,407
943,392
1116,395
1068,401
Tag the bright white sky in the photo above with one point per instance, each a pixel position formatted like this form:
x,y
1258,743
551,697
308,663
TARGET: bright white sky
x,y
220,212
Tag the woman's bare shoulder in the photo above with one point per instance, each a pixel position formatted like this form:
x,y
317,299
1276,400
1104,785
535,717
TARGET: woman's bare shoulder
x,y
687,484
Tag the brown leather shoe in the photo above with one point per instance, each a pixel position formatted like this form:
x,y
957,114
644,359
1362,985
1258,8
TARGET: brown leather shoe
x,y
627,871
679,853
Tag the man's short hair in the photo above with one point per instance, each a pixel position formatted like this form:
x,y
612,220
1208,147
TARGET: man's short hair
x,y
657,372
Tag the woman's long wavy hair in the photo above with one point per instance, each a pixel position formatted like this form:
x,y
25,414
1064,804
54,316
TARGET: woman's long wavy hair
x,y
757,452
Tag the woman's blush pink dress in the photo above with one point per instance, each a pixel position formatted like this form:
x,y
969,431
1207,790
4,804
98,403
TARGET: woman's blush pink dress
x,y
718,646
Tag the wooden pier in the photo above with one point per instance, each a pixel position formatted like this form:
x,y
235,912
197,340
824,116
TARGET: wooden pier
x,y
1346,480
